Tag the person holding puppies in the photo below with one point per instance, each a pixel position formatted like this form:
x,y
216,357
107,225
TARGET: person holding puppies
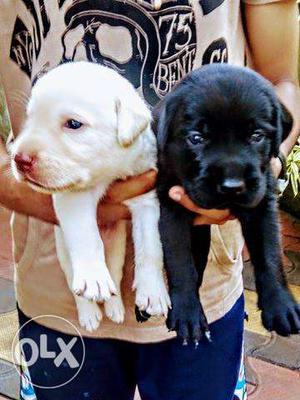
x,y
154,44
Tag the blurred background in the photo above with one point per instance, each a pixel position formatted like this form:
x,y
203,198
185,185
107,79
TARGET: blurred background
x,y
272,362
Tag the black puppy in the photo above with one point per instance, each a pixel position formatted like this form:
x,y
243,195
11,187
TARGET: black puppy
x,y
217,132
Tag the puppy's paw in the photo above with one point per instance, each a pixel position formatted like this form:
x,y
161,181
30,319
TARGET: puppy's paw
x,y
89,315
93,283
151,293
114,309
281,314
187,318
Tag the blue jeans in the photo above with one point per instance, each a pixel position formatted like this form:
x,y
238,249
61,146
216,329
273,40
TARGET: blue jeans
x,y
162,371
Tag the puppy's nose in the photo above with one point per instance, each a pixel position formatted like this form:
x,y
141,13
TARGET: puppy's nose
x,y
24,162
232,186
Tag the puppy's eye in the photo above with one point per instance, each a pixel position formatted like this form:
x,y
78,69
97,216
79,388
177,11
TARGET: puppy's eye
x,y
73,124
196,138
257,136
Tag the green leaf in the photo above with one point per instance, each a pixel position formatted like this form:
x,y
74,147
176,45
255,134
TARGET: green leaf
x,y
296,157
294,182
295,170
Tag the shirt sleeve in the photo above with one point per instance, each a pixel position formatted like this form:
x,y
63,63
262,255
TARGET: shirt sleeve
x,y
261,2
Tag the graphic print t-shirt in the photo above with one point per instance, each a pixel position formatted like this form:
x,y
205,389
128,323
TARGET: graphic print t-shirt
x,y
154,49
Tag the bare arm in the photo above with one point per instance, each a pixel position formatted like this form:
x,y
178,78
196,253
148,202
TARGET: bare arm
x,y
22,199
273,35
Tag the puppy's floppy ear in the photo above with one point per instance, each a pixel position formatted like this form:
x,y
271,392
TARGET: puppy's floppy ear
x,y
133,117
284,123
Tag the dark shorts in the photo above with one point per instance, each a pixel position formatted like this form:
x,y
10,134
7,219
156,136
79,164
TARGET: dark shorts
x,y
162,371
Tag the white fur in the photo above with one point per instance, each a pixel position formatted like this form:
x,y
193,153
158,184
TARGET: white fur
x,y
77,166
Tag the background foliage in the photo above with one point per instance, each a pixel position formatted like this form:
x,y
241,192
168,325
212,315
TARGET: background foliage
x,y
293,168
4,120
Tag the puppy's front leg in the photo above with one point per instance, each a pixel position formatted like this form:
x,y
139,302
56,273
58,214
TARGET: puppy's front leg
x,y
151,292
186,316
115,250
261,231
76,212
89,313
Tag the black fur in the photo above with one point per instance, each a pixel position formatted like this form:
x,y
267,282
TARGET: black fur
x,y
217,132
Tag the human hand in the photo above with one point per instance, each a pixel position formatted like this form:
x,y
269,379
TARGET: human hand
x,y
111,209
204,216
276,166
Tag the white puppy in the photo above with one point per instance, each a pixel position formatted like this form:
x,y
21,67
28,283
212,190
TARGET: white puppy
x,y
86,127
